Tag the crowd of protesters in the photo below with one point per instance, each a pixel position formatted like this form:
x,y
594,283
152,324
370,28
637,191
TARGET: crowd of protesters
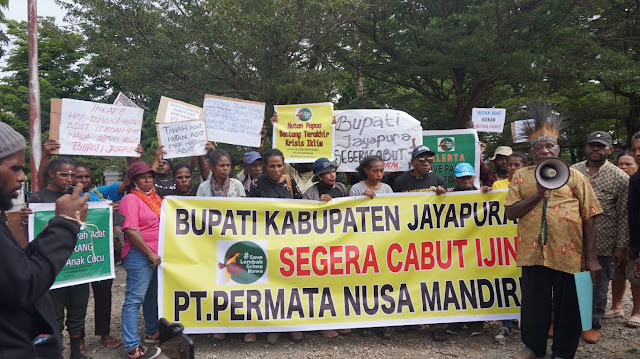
x,y
139,196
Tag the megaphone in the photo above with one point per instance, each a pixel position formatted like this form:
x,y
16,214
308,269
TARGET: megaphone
x,y
552,173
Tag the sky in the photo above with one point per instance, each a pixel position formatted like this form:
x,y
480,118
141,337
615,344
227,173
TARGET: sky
x,y
18,10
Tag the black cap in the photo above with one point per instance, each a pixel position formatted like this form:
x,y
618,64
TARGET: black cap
x,y
420,150
601,137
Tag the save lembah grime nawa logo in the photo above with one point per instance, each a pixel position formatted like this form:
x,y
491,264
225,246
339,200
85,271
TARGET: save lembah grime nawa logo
x,y
303,114
446,144
244,263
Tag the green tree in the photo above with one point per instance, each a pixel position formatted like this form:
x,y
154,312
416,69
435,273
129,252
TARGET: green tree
x,y
452,53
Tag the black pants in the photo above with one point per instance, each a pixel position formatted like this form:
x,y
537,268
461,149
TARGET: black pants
x,y
542,286
102,298
74,300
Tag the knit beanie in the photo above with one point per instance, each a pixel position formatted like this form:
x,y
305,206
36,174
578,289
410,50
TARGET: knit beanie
x,y
10,141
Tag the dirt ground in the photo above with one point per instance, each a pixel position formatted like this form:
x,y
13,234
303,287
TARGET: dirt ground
x,y
617,341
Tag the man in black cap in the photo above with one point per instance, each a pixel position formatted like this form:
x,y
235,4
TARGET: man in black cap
x,y
611,185
421,178
28,327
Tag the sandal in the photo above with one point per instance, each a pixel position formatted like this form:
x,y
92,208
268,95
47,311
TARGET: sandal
x,y
610,314
633,322
110,342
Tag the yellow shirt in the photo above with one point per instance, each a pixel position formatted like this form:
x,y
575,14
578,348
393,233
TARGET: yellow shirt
x,y
504,183
567,208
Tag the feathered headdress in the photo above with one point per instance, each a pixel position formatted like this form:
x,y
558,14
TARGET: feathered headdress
x,y
544,124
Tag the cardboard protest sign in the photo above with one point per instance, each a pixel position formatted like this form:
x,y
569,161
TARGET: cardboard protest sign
x,y
92,258
233,121
95,129
171,110
452,147
304,132
488,119
391,134
289,265
517,131
123,100
182,139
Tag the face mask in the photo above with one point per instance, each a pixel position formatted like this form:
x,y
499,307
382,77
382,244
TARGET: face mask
x,y
138,188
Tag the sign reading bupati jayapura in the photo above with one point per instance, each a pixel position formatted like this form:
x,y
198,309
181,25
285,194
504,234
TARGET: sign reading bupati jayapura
x,y
390,134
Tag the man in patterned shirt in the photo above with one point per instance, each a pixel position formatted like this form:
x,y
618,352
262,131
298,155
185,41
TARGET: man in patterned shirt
x,y
611,185
556,231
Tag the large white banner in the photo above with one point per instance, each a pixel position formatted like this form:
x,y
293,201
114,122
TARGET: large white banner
x,y
98,129
390,134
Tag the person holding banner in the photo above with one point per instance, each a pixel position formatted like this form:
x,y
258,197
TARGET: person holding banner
x,y
421,178
220,184
141,208
275,184
371,168
556,235
326,187
73,298
28,327
101,289
252,168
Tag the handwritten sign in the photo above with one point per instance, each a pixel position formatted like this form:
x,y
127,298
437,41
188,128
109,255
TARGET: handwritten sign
x,y
229,120
95,129
123,100
389,134
171,110
304,133
182,139
488,119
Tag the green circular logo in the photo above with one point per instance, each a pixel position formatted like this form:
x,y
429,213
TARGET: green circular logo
x,y
446,144
304,114
245,262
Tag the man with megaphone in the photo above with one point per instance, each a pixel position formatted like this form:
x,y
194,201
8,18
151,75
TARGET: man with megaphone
x,y
554,206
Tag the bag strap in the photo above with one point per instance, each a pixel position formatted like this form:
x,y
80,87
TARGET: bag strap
x,y
288,178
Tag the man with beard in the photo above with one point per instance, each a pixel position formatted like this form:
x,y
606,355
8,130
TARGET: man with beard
x,y
611,185
28,327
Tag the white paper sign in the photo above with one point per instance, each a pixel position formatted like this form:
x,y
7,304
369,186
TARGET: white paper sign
x,y
390,134
183,139
233,121
98,129
488,119
517,131
170,110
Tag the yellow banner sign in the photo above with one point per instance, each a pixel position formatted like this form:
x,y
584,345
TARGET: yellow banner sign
x,y
304,132
254,265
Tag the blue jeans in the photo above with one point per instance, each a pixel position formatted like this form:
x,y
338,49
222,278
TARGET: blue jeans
x,y
142,290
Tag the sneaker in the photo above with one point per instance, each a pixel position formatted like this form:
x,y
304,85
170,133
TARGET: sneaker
x,y
525,353
152,339
273,338
142,352
502,334
250,338
296,336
